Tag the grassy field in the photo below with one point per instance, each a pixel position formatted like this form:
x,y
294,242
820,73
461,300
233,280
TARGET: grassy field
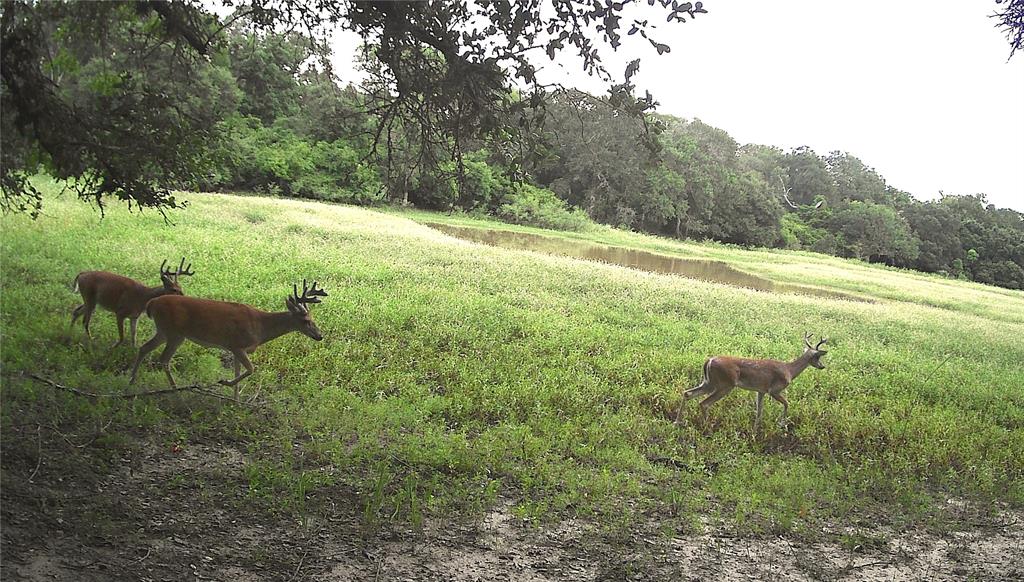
x,y
453,374
845,275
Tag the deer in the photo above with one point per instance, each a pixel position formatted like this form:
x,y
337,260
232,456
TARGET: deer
x,y
235,327
126,298
766,377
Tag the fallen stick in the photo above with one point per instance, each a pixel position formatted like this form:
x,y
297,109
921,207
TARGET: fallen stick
x,y
191,387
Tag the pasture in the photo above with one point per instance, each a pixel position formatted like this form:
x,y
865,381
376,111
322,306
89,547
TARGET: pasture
x,y
455,377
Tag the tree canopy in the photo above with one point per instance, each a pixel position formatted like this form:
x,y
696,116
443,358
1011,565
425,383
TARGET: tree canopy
x,y
125,98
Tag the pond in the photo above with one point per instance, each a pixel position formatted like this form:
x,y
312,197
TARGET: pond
x,y
702,269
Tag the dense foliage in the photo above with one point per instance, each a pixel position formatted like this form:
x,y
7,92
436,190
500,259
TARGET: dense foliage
x,y
122,98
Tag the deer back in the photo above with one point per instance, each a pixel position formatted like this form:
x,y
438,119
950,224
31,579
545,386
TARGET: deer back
x,y
748,372
208,322
114,292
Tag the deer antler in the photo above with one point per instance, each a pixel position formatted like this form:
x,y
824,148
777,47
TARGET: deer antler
x,y
183,270
807,342
173,275
309,295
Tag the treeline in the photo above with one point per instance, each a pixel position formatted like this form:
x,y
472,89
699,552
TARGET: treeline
x,y
263,114
295,132
703,184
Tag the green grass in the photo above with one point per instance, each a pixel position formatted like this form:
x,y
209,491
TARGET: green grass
x,y
825,271
452,373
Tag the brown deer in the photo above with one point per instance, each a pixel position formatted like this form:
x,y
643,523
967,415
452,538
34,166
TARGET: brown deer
x,y
766,377
126,297
235,327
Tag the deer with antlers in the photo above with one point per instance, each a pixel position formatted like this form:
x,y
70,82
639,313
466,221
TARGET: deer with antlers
x,y
235,327
766,377
125,297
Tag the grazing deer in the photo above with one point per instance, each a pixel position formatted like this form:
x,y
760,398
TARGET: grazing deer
x,y
771,377
235,327
126,297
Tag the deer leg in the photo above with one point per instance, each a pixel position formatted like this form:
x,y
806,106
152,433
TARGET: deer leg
x,y
86,318
120,332
165,358
785,407
688,394
76,313
240,357
147,347
697,390
760,409
135,323
714,397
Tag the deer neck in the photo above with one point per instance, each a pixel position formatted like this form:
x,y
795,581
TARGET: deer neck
x,y
274,325
154,292
799,365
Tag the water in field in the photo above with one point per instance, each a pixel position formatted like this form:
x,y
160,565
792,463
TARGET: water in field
x,y
703,269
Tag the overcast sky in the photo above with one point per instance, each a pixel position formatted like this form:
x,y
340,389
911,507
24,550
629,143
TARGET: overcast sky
x,y
921,90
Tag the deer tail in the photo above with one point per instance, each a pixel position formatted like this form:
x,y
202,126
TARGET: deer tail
x,y
703,387
74,284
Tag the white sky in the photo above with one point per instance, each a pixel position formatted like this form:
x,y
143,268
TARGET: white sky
x,y
921,90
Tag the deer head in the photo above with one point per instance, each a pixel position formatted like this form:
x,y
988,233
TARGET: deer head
x,y
298,306
170,278
815,353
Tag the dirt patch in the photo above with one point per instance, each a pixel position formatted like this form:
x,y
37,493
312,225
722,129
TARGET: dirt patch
x,y
183,513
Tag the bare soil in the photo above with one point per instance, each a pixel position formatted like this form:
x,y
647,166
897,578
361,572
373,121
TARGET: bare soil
x,y
167,513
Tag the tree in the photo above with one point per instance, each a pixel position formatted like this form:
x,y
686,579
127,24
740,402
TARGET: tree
x,y
852,180
874,231
1011,20
266,66
596,161
705,158
114,96
993,237
807,177
765,160
446,70
937,229
747,213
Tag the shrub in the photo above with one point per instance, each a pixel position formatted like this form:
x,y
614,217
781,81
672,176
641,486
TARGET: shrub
x,y
529,205
338,175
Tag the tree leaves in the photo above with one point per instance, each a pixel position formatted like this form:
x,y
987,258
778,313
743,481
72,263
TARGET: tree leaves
x,y
661,48
631,69
444,70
